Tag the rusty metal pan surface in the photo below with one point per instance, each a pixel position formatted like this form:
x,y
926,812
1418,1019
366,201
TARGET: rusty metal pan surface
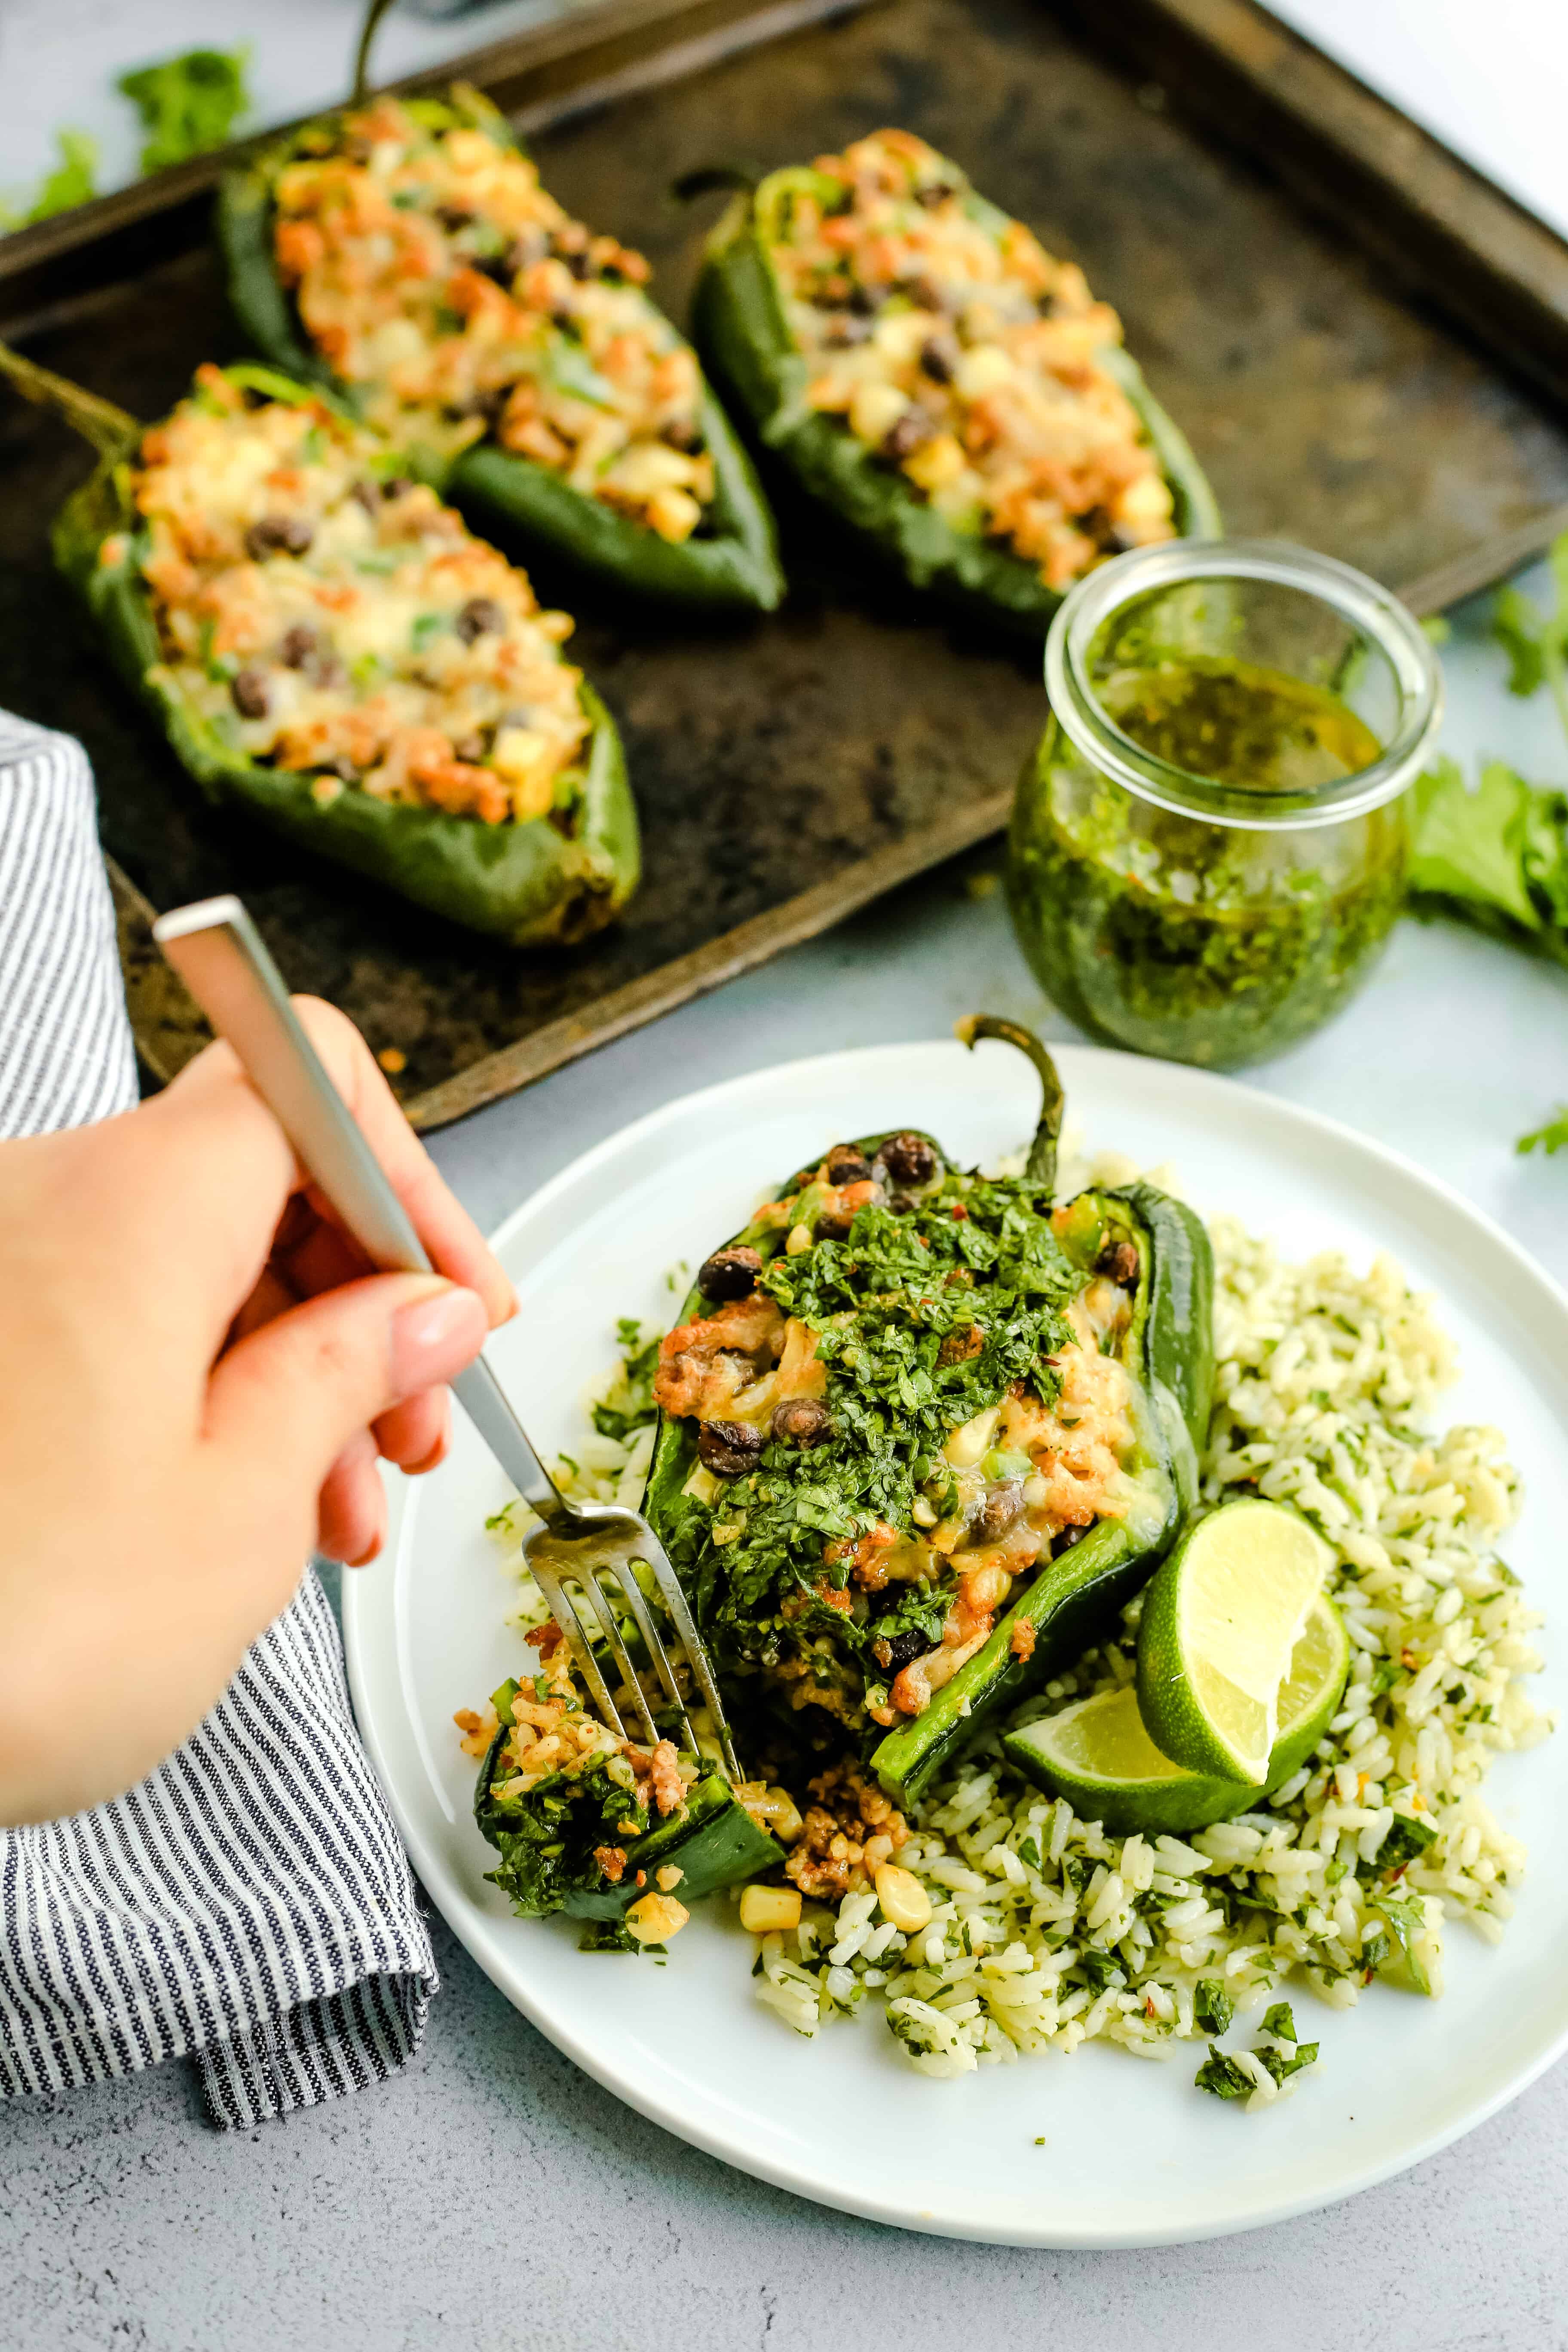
x,y
790,772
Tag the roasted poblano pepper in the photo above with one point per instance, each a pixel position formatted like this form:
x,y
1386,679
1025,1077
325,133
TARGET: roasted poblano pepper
x,y
922,1432
892,461
589,1838
553,877
730,559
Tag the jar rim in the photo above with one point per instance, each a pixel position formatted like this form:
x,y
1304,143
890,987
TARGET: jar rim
x,y
1368,607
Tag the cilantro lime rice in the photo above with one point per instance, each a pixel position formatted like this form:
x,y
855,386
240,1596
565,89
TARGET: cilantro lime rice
x,y
1044,1932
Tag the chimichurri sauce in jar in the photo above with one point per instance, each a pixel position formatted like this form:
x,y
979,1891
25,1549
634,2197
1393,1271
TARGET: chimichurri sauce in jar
x,y
1209,847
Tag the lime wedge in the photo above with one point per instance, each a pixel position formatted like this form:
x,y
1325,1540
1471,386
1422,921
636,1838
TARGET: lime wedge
x,y
1220,1622
1100,1758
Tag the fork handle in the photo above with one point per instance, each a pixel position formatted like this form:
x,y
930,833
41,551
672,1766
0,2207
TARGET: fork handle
x,y
222,959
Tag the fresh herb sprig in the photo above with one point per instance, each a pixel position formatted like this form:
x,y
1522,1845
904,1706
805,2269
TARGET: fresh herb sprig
x,y
1497,856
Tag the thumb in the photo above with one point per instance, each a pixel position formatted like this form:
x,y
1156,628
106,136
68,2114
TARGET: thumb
x,y
284,1404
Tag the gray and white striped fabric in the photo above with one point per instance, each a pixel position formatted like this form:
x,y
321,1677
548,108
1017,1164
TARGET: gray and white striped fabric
x,y
250,1903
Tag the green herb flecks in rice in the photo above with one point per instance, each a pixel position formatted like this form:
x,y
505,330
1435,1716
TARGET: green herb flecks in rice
x,y
1045,1933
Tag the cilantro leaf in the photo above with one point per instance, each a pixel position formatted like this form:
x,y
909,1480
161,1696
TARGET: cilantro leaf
x,y
1516,625
1279,2019
1550,1139
72,182
1222,2076
1406,1918
188,104
1407,1838
1212,2005
1281,2066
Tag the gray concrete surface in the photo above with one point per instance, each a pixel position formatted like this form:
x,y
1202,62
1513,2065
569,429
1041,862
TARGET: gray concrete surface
x,y
494,2197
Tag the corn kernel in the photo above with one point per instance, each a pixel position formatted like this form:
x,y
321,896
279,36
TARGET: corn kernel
x,y
769,1910
874,410
654,1918
903,1899
940,461
983,369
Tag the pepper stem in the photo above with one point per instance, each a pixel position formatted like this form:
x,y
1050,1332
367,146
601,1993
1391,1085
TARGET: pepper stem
x,y
98,421
367,31
1041,1167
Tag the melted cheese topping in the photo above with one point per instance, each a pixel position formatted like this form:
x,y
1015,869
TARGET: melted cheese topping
x,y
324,615
440,279
953,344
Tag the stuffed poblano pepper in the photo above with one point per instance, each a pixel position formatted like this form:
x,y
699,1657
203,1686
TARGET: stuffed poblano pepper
x,y
922,1432
601,1827
925,368
403,253
325,645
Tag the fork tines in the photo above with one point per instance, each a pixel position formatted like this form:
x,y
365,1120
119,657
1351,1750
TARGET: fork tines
x,y
591,1577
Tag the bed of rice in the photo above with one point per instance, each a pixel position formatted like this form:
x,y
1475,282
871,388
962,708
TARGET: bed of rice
x,y
1045,1933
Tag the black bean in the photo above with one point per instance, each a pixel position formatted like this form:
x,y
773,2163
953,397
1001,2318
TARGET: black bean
x,y
926,294
939,358
730,1273
833,1227
579,265
480,616
864,301
1119,1261
367,494
278,535
247,692
487,404
1067,1538
910,1159
1003,1503
454,217
896,1650
905,437
845,1165
299,644
935,192
801,1421
729,1448
396,487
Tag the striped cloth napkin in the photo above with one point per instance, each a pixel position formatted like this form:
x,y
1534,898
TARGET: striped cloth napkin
x,y
250,1903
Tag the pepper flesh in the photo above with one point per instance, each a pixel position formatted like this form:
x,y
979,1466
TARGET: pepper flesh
x,y
735,565
711,1839
523,883
1168,1348
742,332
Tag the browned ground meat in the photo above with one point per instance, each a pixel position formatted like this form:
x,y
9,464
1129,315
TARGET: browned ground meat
x,y
849,1828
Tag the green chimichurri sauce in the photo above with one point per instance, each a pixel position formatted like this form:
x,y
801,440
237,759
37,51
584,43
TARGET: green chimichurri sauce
x,y
1184,936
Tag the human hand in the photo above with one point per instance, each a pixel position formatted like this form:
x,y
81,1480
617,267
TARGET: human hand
x,y
199,1371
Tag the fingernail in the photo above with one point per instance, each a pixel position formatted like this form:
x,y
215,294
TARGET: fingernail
x,y
432,1338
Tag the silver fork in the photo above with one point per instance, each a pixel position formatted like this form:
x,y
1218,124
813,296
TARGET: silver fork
x,y
221,957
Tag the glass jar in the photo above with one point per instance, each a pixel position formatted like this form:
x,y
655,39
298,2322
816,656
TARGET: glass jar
x,y
1208,848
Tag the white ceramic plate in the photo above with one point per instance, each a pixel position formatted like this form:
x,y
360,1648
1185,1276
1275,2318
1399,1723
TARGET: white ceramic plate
x,y
1132,2154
